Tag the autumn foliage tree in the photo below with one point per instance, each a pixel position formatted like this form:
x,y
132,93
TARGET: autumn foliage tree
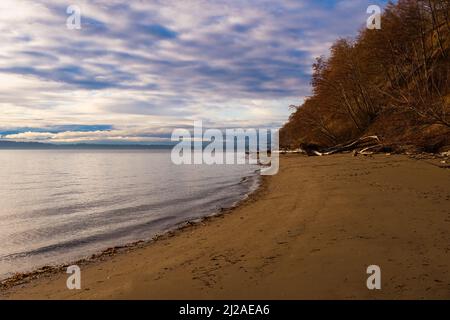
x,y
384,81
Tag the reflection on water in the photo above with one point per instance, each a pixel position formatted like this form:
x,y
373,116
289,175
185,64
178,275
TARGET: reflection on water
x,y
61,205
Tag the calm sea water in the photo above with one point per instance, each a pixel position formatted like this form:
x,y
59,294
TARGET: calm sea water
x,y
58,206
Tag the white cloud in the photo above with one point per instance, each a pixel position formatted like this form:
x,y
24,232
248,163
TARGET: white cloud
x,y
159,64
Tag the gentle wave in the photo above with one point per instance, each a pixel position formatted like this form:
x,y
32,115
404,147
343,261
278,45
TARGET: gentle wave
x,y
61,206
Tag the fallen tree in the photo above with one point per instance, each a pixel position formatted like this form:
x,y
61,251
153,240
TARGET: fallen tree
x,y
365,145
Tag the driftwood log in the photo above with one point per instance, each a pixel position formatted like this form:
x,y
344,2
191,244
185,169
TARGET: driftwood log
x,y
365,145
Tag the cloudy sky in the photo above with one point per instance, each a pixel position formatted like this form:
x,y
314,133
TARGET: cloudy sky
x,y
137,69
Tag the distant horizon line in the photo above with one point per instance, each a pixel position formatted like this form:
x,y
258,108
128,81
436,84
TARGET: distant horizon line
x,y
34,145
8,144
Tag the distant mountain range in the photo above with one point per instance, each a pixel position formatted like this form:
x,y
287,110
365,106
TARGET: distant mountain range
x,y
38,145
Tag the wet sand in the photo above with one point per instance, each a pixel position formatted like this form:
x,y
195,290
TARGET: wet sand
x,y
310,232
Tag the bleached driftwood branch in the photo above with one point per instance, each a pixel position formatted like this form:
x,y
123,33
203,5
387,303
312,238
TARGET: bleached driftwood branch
x,y
364,143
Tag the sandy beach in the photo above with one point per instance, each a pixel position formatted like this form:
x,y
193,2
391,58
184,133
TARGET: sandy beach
x,y
310,232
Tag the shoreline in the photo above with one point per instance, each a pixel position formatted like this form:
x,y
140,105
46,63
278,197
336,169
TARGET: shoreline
x,y
49,270
307,233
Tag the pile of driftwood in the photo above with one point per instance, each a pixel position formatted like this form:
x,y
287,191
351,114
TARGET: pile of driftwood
x,y
365,146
